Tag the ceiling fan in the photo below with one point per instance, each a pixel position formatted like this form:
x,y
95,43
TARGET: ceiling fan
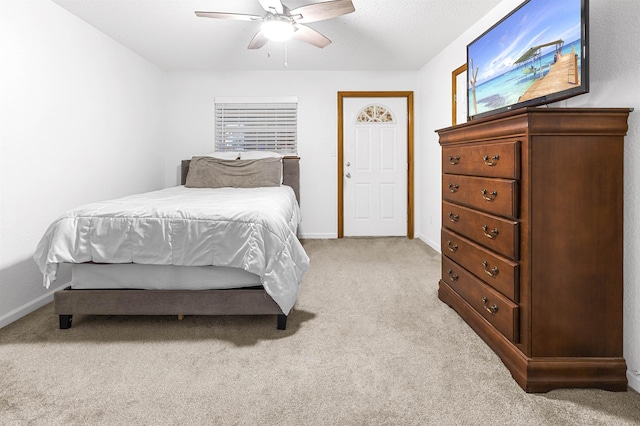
x,y
281,23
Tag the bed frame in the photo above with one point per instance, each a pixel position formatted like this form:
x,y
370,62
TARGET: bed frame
x,y
243,301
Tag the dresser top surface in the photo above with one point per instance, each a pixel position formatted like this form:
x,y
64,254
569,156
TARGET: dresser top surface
x,y
547,121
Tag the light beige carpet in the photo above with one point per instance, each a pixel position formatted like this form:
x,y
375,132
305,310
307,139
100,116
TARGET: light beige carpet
x,y
368,343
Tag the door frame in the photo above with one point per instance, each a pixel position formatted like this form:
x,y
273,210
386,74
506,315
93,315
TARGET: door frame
x,y
409,97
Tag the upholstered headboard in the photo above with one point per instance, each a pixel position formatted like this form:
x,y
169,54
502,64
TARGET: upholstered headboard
x,y
290,173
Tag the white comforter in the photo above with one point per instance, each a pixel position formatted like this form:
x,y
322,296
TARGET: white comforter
x,y
249,228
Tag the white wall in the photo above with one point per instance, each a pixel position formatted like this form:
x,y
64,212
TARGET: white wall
x,y
614,79
189,125
79,121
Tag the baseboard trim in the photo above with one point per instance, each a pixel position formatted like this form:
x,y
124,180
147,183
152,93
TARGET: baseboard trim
x,y
634,380
313,236
433,244
28,307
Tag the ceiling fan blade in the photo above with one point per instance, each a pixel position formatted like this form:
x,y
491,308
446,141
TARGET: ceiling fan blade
x,y
224,15
258,41
272,6
310,36
321,11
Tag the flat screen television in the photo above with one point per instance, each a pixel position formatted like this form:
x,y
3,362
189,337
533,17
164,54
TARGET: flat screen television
x,y
535,55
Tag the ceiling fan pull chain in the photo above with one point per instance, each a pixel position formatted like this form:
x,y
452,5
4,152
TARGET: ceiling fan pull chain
x,y
286,64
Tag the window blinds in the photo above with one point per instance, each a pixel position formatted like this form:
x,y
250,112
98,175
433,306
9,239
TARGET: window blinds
x,y
262,126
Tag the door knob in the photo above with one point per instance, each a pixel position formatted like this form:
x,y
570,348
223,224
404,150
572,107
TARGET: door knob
x,y
348,164
348,175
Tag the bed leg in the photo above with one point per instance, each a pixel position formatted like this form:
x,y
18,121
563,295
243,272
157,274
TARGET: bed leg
x,y
180,317
282,322
65,321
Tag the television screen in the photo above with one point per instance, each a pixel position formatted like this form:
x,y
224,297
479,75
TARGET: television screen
x,y
535,55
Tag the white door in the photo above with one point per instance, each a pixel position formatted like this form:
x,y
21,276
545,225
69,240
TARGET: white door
x,y
375,166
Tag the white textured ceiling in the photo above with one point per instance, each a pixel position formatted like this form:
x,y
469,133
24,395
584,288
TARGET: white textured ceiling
x,y
379,35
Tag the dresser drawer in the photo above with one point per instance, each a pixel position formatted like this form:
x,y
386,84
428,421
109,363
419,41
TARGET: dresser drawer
x,y
498,159
501,312
495,196
497,271
498,234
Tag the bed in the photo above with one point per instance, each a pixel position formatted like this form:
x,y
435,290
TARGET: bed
x,y
237,256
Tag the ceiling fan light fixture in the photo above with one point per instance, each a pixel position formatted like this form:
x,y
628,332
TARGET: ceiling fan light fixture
x,y
278,28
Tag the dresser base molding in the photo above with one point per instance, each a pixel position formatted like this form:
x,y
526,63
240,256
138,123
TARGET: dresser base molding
x,y
544,374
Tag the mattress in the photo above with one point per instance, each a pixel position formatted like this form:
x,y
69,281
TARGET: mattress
x,y
89,276
253,229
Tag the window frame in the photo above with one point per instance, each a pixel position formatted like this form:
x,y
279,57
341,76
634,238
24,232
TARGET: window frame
x,y
256,124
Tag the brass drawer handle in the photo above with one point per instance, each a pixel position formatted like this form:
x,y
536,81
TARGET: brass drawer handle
x,y
493,272
453,187
454,160
491,234
493,309
452,276
492,195
452,247
491,162
453,217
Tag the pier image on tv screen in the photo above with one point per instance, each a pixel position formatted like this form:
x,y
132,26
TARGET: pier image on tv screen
x,y
533,56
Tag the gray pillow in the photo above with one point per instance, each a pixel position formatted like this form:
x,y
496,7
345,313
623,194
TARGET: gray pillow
x,y
209,172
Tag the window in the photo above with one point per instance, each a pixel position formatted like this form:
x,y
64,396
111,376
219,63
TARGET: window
x,y
375,114
256,124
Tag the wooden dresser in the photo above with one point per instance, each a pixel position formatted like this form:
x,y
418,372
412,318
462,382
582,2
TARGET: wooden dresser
x,y
532,224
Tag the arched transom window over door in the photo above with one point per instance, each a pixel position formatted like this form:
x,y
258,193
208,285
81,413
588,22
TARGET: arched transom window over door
x,y
375,114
